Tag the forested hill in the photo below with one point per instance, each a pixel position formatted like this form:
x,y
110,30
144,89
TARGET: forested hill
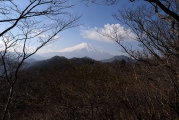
x,y
81,88
59,62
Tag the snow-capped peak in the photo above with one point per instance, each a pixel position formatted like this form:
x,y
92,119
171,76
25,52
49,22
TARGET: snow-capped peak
x,y
79,47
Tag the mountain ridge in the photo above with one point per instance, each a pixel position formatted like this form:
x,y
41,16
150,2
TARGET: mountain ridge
x,y
119,57
79,51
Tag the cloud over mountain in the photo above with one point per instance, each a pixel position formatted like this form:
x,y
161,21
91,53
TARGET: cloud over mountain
x,y
108,33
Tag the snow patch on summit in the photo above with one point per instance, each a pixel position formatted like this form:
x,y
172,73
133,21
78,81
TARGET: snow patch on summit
x,y
81,46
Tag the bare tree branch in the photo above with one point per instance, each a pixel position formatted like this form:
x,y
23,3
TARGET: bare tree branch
x,y
39,22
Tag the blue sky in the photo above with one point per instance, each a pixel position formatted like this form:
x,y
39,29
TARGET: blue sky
x,y
94,17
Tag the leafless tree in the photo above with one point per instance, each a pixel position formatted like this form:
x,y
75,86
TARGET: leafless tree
x,y
156,26
25,28
165,9
158,43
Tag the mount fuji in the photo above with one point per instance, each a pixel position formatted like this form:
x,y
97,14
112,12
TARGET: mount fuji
x,y
82,46
79,51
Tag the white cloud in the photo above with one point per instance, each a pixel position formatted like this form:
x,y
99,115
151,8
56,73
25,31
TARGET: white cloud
x,y
93,34
56,37
48,48
108,33
30,47
41,34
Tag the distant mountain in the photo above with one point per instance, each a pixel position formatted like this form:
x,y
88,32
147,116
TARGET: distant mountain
x,y
35,57
79,51
30,60
127,59
59,62
82,46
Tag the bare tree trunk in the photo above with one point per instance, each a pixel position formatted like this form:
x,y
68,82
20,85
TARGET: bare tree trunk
x,y
7,105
